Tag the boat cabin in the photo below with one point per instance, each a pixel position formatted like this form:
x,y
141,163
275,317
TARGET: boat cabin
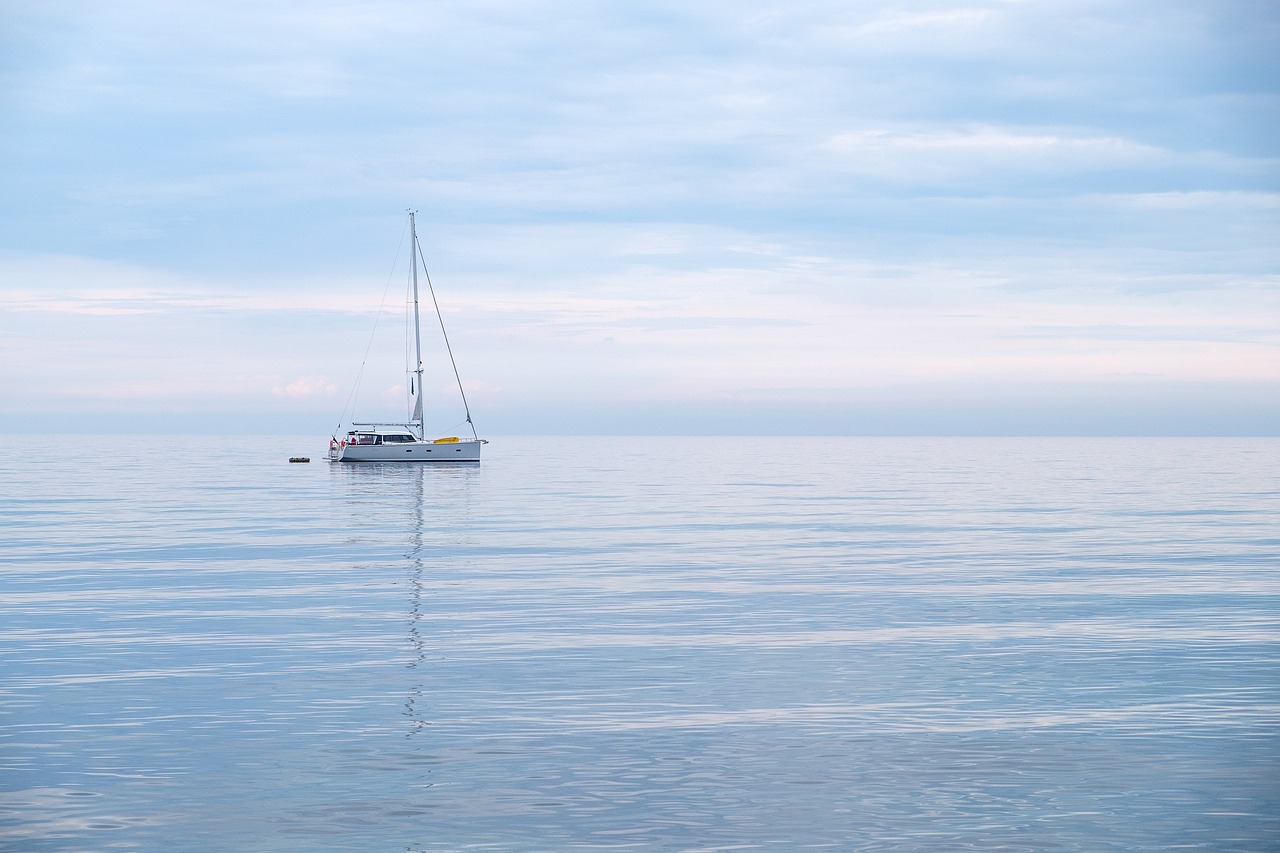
x,y
362,437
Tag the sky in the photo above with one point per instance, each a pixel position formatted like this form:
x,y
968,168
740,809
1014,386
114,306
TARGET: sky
x,y
981,217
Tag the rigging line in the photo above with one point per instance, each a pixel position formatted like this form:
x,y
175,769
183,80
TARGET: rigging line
x,y
450,429
448,348
355,387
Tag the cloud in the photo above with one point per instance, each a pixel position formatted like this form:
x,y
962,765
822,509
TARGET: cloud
x,y
1199,200
66,284
988,157
636,203
947,21
307,386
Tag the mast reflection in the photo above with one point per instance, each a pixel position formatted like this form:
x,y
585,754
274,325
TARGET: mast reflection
x,y
399,501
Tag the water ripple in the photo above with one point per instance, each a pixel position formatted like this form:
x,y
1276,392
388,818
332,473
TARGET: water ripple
x,y
867,644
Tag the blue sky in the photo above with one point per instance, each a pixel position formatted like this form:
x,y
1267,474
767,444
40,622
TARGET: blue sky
x,y
740,217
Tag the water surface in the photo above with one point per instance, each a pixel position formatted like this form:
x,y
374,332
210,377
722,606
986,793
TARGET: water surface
x,y
642,643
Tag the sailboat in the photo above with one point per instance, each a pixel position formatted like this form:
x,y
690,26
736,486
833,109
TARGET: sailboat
x,y
408,442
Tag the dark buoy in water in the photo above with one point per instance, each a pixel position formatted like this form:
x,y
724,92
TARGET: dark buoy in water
x,y
299,458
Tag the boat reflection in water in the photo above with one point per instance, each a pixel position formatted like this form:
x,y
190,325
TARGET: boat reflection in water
x,y
422,512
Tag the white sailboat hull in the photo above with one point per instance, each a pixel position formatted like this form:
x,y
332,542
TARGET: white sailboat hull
x,y
418,451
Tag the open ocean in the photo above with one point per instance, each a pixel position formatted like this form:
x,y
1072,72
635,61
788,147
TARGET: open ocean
x,y
685,644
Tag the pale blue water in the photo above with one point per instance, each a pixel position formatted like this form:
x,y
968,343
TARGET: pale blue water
x,y
642,644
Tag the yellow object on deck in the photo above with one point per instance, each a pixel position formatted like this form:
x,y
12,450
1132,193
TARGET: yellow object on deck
x,y
453,439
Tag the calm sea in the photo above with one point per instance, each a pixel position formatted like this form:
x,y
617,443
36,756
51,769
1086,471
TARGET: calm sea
x,y
688,644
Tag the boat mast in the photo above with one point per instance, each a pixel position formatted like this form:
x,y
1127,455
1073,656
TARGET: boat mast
x,y
417,336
